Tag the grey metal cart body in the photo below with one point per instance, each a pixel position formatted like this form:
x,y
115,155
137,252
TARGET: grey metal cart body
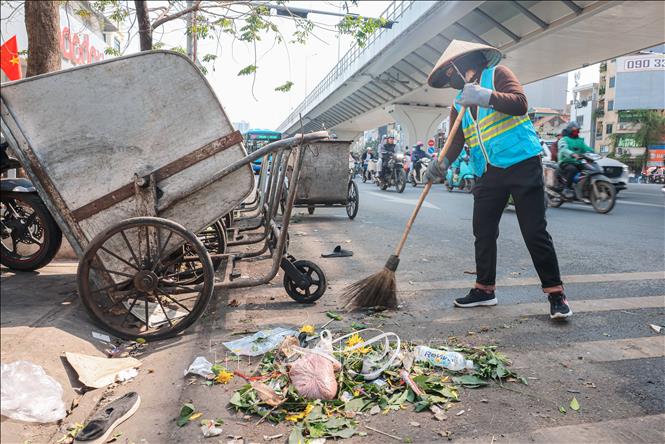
x,y
325,180
133,156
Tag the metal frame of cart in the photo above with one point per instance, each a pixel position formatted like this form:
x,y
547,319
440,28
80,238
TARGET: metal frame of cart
x,y
132,170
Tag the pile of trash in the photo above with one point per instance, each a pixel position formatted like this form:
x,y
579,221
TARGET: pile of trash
x,y
325,385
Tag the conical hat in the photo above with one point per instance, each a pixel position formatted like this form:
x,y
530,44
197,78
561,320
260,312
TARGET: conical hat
x,y
457,49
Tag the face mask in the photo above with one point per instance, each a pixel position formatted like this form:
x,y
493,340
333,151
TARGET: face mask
x,y
456,81
575,134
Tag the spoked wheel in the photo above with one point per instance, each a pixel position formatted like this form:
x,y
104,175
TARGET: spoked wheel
x,y
353,200
129,279
603,196
213,239
311,293
30,236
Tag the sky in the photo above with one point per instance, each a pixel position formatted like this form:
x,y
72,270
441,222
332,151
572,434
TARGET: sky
x,y
304,65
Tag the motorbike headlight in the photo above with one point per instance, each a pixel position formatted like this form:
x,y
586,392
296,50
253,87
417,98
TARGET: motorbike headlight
x,y
399,156
625,168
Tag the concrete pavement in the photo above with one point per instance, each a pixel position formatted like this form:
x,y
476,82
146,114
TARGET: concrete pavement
x,y
607,356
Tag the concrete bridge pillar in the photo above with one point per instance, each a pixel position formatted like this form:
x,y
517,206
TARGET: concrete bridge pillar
x,y
418,122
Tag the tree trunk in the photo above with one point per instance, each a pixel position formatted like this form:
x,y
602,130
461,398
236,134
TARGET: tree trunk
x,y
145,28
42,24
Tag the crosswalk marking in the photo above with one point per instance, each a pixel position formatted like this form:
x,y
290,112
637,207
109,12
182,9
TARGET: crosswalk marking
x,y
541,308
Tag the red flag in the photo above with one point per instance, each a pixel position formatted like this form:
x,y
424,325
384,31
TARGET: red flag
x,y
9,61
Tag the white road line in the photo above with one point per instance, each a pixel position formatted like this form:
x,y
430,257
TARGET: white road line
x,y
401,200
641,204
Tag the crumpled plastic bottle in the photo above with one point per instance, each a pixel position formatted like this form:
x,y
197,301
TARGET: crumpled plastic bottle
x,y
29,394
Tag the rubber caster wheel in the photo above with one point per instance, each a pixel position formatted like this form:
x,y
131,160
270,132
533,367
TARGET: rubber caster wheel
x,y
314,291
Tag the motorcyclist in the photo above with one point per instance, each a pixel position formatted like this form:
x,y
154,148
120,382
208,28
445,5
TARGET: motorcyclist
x,y
386,151
369,155
571,149
418,154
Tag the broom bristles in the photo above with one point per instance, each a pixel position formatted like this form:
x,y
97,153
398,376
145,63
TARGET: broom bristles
x,y
378,290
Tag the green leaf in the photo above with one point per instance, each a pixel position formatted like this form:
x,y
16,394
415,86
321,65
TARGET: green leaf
x,y
247,70
470,381
574,404
343,433
358,326
562,409
354,405
185,412
316,430
286,87
333,315
296,436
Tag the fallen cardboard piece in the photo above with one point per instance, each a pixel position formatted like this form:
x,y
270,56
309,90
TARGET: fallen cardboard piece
x,y
97,372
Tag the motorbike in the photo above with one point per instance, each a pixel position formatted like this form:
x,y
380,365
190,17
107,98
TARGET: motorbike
x,y
29,234
355,169
394,174
464,179
369,173
590,185
419,177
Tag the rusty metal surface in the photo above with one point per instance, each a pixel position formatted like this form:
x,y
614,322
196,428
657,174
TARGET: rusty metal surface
x,y
160,174
154,108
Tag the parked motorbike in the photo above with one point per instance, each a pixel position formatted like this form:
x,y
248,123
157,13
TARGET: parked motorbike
x,y
355,169
29,234
419,177
394,174
590,185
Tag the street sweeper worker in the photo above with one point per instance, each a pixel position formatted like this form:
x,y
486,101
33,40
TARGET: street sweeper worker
x,y
505,156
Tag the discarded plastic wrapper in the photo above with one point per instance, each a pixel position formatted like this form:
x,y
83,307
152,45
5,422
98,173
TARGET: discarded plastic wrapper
x,y
155,313
441,358
201,366
99,372
313,375
260,342
209,429
374,363
29,394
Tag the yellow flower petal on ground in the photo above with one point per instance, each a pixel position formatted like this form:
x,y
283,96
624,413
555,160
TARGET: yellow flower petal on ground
x,y
298,416
309,329
224,377
355,339
195,416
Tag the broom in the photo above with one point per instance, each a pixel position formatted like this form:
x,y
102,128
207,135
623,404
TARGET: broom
x,y
380,289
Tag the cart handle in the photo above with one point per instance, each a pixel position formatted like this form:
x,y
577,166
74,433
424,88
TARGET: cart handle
x,y
288,143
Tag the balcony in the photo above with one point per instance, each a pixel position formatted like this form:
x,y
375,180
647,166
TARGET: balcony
x,y
603,67
601,91
598,113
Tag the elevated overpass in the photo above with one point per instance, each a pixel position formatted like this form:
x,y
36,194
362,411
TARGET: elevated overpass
x,y
386,81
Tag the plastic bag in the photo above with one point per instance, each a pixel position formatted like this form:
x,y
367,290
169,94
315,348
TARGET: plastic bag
x,y
201,366
313,375
29,394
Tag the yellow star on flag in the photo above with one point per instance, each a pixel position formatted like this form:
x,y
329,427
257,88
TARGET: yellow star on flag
x,y
14,60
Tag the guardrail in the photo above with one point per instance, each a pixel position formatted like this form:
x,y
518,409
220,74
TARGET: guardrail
x,y
393,12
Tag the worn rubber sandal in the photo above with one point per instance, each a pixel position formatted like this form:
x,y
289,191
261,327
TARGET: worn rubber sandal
x,y
338,252
103,422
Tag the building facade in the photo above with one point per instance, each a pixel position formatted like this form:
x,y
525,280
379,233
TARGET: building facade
x,y
582,110
629,84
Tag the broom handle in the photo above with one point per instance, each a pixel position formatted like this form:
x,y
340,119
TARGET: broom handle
x,y
423,195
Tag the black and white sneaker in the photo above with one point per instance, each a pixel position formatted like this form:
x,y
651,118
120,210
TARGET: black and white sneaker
x,y
476,298
559,308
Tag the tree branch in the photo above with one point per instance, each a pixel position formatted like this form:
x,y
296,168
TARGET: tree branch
x,y
195,7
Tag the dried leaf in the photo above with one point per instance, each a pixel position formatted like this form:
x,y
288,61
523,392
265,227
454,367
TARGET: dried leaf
x,y
267,394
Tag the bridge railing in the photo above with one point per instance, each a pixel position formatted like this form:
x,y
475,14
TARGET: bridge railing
x,y
392,13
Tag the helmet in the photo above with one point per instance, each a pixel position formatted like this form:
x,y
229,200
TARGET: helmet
x,y
370,149
571,127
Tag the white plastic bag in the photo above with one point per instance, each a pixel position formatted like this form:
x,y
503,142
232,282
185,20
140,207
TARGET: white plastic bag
x,y
29,394
201,366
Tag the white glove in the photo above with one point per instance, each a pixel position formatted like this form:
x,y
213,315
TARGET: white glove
x,y
474,94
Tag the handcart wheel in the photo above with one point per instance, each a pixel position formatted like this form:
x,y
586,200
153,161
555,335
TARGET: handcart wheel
x,y
314,291
310,210
353,200
214,240
129,278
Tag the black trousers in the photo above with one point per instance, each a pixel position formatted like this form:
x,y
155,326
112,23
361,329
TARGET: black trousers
x,y
568,171
525,182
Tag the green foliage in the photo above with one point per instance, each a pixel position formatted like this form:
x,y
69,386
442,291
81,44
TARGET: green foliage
x,y
208,58
115,10
111,51
285,87
652,127
83,13
247,70
179,49
360,27
303,30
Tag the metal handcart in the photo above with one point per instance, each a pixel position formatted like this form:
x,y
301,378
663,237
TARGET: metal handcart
x,y
325,180
133,156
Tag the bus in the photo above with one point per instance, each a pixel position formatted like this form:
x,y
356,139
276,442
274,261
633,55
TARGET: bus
x,y
257,138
